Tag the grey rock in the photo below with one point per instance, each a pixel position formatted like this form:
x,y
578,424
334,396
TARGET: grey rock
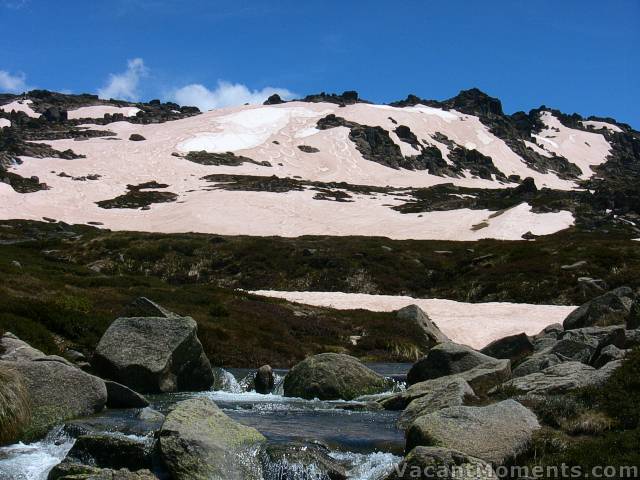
x,y
154,354
150,415
119,396
430,334
632,338
57,393
536,363
74,356
574,266
13,349
332,376
568,350
561,378
446,359
421,462
496,433
486,376
438,393
198,441
610,308
513,347
143,307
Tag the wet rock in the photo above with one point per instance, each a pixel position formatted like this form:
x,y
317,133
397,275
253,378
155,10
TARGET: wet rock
x,y
495,433
109,451
420,461
332,376
513,347
609,309
154,354
119,396
57,392
446,359
430,334
298,460
264,380
150,415
75,471
439,393
198,441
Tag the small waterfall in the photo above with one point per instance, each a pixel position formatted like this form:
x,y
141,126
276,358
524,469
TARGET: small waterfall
x,y
34,461
226,382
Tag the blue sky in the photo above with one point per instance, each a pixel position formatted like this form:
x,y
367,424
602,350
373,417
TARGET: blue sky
x,y
575,55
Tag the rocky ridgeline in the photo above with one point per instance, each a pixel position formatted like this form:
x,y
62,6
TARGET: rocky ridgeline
x,y
462,407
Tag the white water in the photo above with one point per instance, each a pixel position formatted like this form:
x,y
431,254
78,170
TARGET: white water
x,y
35,460
372,466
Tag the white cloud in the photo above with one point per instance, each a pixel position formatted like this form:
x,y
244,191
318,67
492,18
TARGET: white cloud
x,y
13,83
124,86
226,94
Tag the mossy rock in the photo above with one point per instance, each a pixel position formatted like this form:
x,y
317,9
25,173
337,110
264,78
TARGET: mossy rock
x,y
332,376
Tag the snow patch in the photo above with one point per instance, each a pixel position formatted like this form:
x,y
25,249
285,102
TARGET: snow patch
x,y
473,324
20,106
99,111
599,125
4,123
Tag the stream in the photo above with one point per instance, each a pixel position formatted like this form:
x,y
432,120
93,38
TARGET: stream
x,y
367,441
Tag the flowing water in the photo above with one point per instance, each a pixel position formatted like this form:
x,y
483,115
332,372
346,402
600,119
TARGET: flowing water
x,y
367,441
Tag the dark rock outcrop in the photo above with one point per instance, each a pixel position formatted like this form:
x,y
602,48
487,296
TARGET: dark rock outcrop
x,y
446,359
513,347
611,308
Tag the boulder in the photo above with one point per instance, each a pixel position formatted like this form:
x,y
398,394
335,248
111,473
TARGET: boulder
x,y
119,396
136,137
611,308
150,415
430,334
561,378
513,347
446,359
536,363
109,451
14,350
154,354
76,471
597,337
568,350
496,433
608,354
15,407
427,463
57,393
486,376
273,99
264,380
332,376
439,393
299,460
197,441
